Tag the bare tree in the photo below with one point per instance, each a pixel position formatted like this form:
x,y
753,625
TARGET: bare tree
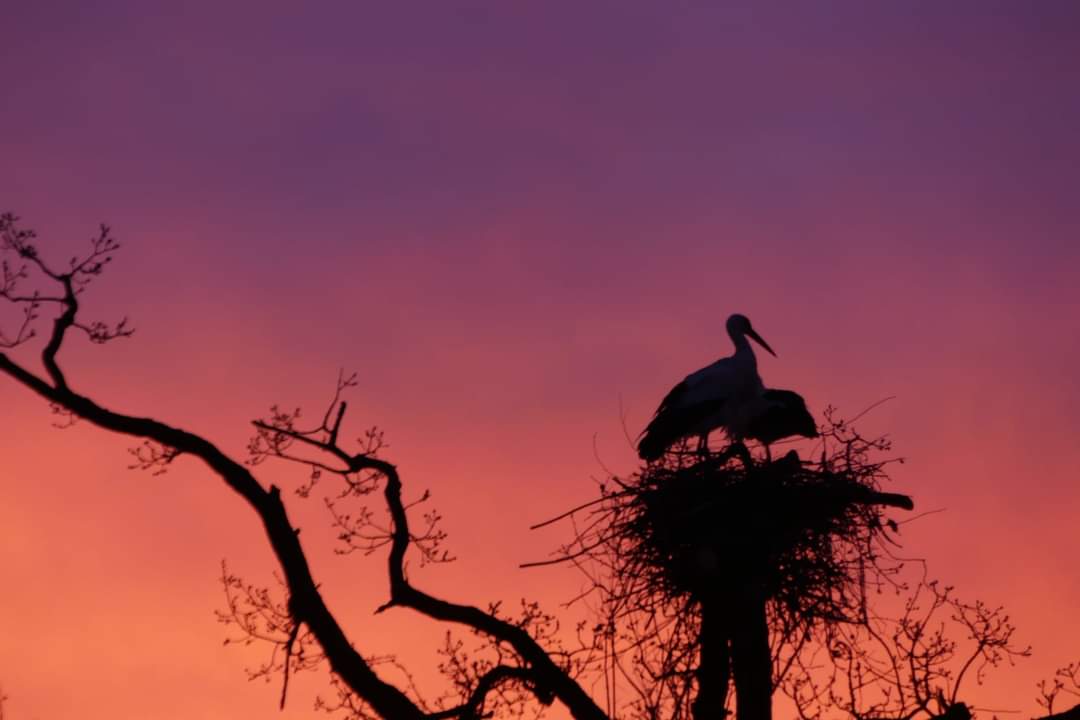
x,y
31,283
669,625
904,667
1064,684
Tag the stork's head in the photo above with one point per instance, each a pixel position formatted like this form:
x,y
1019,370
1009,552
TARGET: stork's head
x,y
738,325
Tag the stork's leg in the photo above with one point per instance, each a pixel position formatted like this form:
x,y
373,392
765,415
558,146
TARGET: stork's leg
x,y
768,453
703,444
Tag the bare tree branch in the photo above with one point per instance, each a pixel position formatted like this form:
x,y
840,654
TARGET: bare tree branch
x,y
305,600
1066,682
164,443
277,437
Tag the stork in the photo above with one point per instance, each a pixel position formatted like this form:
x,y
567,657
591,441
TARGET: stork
x,y
716,396
775,415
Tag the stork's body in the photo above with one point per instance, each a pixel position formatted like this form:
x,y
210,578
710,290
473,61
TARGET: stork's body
x,y
775,415
720,395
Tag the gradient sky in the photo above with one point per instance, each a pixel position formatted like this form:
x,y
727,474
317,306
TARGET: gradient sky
x,y
519,222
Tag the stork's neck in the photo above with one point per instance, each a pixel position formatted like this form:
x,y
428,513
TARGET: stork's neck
x,y
744,354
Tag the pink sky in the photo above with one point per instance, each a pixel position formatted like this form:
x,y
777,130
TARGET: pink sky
x,y
513,222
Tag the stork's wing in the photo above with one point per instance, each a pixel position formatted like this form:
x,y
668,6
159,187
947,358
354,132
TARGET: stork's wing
x,y
671,425
687,407
783,414
699,392
675,398
677,417
712,382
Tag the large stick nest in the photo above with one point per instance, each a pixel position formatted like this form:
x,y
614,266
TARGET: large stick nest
x,y
806,535
784,527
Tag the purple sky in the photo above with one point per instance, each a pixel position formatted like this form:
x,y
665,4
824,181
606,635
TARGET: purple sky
x,y
511,218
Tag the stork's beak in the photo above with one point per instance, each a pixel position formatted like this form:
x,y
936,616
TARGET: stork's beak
x,y
758,339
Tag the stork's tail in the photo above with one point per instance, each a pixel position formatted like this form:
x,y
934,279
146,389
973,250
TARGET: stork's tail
x,y
651,448
657,438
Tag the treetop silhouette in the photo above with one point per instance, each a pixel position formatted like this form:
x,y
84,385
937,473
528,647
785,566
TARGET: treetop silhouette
x,y
716,571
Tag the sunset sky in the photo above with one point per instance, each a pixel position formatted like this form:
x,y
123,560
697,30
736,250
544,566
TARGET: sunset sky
x,y
521,223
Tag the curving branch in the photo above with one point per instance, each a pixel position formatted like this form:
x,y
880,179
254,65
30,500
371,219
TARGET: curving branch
x,y
163,443
548,680
305,601
473,707
81,272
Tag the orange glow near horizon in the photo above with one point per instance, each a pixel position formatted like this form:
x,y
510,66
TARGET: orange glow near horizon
x,y
519,238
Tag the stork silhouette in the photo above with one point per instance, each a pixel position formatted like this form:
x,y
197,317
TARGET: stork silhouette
x,y
720,395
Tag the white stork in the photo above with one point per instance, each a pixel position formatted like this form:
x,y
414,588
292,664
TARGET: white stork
x,y
721,395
